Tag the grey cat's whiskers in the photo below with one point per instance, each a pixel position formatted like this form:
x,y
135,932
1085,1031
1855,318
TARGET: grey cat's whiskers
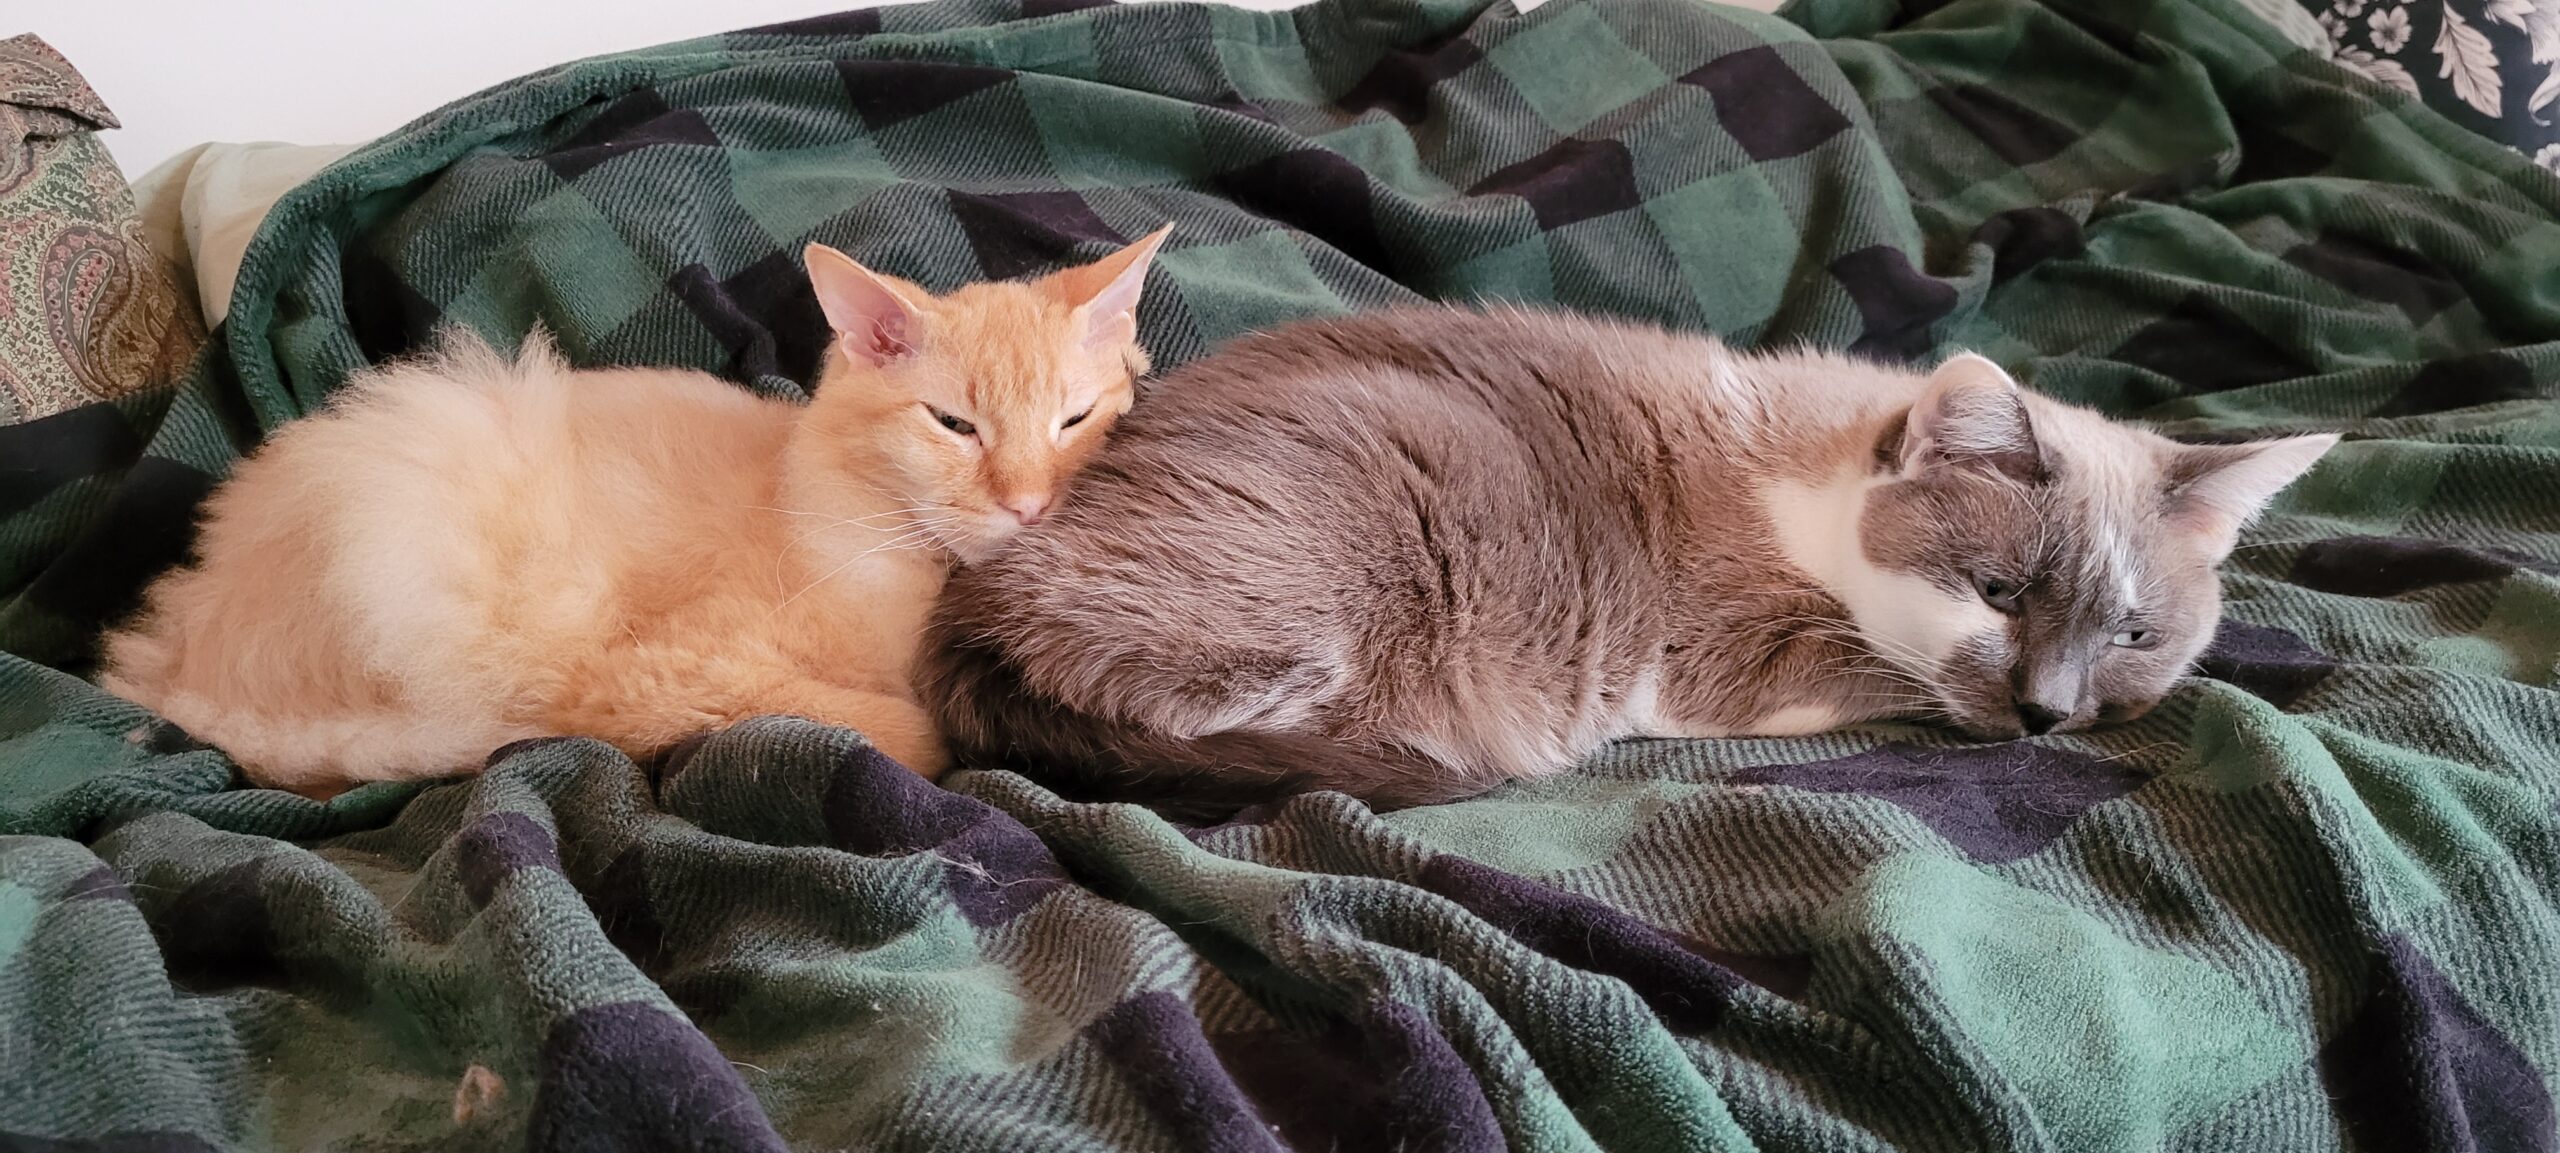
x,y
1882,646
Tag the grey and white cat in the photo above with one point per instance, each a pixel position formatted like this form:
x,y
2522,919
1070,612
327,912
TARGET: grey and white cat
x,y
1413,553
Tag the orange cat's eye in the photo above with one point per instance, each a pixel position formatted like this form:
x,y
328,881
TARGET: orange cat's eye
x,y
1075,420
955,424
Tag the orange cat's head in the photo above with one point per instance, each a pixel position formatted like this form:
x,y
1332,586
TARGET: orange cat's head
x,y
969,412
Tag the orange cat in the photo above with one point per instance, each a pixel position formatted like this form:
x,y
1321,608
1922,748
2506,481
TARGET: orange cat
x,y
463,551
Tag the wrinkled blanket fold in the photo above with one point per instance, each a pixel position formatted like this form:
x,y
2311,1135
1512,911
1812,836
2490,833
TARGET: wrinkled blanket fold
x,y
2313,902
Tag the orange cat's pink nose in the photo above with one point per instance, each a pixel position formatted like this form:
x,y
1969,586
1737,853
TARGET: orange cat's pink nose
x,y
1027,507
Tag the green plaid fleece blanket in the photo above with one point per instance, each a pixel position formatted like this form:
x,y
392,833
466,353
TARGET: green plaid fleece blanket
x,y
2312,903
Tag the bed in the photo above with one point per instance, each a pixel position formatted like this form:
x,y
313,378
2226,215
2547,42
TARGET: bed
x,y
2313,902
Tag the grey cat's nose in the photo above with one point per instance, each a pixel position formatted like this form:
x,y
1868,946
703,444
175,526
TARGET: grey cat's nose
x,y
2038,719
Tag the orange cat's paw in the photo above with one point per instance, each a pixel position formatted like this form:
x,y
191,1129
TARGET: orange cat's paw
x,y
893,724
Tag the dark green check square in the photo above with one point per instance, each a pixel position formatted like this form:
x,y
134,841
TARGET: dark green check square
x,y
1254,283
573,264
789,192
1128,140
1736,243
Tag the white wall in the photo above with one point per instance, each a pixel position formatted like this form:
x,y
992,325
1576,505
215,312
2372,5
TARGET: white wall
x,y
181,72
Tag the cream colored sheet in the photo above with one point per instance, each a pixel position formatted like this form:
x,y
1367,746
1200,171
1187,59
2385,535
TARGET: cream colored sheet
x,y
200,207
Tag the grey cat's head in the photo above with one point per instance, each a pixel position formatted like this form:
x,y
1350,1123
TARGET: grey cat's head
x,y
2033,567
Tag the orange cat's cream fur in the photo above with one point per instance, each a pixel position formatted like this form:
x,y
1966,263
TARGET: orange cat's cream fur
x,y
466,550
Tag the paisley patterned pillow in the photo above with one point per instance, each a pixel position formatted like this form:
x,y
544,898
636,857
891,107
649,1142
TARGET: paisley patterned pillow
x,y
2492,66
87,313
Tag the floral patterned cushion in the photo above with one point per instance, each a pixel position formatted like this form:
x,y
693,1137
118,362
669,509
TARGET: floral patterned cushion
x,y
87,312
2492,66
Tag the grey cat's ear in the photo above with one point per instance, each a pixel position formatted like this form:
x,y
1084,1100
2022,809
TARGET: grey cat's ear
x,y
2217,489
1973,416
1105,292
874,319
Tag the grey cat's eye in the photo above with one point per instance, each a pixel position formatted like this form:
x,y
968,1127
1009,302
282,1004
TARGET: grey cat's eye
x,y
1075,420
1999,594
951,422
2136,639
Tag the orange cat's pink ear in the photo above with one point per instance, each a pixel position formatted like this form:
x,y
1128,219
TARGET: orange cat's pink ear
x,y
1105,292
875,323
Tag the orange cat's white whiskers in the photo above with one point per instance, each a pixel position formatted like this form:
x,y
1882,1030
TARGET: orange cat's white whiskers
x,y
837,518
858,524
912,539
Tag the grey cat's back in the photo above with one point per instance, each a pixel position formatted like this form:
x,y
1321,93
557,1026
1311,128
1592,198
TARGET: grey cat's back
x,y
1409,554
1475,486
